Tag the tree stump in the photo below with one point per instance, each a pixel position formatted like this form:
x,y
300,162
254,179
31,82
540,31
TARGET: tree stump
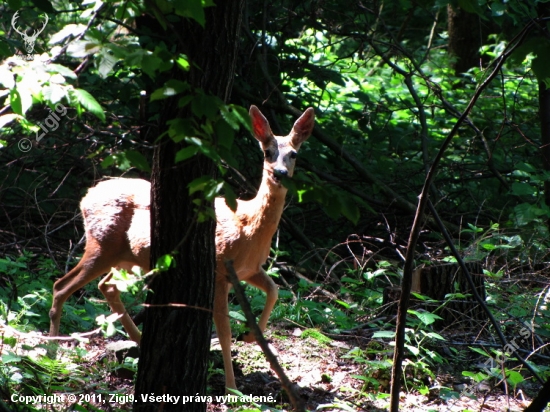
x,y
438,281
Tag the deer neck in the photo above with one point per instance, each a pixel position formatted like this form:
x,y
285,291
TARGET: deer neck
x,y
268,205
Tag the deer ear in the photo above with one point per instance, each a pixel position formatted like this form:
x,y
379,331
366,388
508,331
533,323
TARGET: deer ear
x,y
303,127
260,126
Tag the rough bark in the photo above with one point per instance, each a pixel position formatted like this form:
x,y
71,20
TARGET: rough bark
x,y
544,114
176,340
541,400
464,38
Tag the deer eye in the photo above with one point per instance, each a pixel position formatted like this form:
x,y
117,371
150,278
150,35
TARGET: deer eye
x,y
293,155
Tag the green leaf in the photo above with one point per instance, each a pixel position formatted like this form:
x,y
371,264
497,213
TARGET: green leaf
x,y
541,66
204,146
384,334
498,9
10,357
230,197
224,133
119,160
15,102
62,70
111,329
5,50
82,48
164,262
88,102
480,351
54,93
526,167
349,208
237,316
236,116
342,303
434,335
15,4
171,88
74,30
213,189
138,160
186,153
127,159
488,246
180,129
205,105
321,76
26,98
526,213
199,184
414,350
108,161
514,377
183,63
192,9
6,77
43,5
9,340
105,63
472,6
426,318
7,118
150,64
422,297
540,47
185,100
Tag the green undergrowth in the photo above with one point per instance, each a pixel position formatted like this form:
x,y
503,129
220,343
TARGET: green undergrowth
x,y
26,298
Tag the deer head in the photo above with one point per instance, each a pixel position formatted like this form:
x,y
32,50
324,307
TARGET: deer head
x,y
280,151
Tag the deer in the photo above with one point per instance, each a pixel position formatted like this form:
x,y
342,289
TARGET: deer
x,y
116,218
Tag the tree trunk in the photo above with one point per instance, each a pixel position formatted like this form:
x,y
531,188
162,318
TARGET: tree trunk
x,y
437,282
541,400
464,38
544,113
176,340
543,10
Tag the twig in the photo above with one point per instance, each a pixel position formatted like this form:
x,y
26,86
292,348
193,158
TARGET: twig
x,y
176,305
477,297
340,151
288,386
406,283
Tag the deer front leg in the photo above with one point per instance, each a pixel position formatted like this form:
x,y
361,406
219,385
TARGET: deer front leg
x,y
223,328
262,281
112,295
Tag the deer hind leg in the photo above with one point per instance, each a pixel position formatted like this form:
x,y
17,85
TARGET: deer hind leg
x,y
223,328
92,265
262,281
112,295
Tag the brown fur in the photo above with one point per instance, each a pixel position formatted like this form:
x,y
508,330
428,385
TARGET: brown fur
x,y
117,218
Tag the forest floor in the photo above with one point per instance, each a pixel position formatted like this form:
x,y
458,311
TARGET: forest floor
x,y
325,377
327,380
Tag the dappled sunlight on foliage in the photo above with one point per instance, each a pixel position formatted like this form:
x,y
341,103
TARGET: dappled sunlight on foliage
x,y
384,82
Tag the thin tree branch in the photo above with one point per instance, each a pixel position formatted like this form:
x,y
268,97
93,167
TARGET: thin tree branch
x,y
288,386
477,297
406,282
339,150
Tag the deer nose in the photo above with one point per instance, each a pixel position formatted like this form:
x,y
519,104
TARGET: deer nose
x,y
280,173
